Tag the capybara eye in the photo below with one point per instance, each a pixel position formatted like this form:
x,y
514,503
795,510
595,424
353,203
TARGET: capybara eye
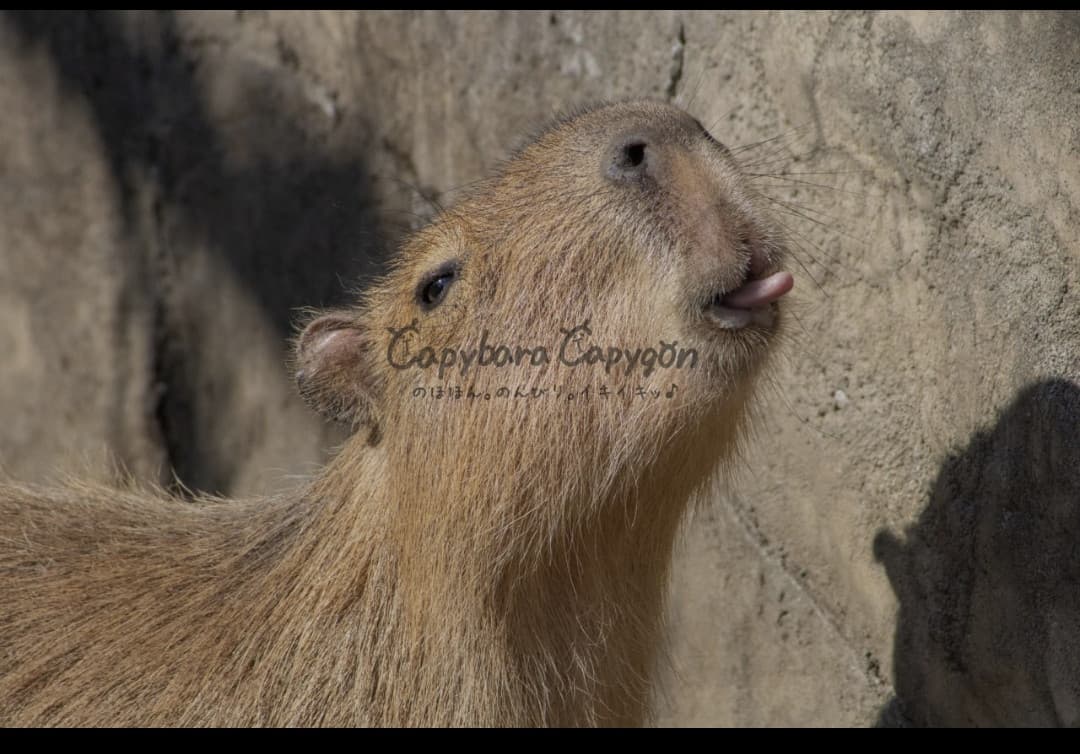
x,y
432,289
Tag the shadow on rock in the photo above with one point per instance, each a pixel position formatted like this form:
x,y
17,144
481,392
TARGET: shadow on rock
x,y
290,222
988,579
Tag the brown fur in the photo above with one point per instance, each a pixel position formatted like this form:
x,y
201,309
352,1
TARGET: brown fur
x,y
483,562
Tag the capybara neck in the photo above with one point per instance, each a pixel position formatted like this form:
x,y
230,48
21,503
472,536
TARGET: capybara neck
x,y
527,622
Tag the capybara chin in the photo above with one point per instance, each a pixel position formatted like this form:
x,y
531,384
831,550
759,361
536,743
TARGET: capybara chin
x,y
547,376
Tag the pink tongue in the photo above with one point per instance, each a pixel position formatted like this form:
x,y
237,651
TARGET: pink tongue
x,y
760,292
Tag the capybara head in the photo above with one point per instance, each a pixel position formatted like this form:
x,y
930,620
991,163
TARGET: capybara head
x,y
590,316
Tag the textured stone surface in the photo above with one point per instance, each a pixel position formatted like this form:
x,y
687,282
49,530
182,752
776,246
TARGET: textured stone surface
x,y
902,545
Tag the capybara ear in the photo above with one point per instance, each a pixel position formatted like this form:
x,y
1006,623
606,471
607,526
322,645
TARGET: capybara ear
x,y
335,370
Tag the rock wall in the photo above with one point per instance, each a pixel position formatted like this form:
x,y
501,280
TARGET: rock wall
x,y
904,546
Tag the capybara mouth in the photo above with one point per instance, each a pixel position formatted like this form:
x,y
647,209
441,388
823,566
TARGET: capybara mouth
x,y
750,303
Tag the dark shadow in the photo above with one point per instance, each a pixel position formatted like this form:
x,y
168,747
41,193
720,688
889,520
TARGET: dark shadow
x,y
292,224
988,579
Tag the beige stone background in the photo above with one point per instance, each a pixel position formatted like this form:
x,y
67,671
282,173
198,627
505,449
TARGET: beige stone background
x,y
904,545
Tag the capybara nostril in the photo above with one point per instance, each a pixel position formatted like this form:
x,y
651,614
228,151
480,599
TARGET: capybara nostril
x,y
632,159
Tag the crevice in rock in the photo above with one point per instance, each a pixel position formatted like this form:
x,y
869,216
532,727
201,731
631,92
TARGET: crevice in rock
x,y
407,167
862,660
678,58
163,368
